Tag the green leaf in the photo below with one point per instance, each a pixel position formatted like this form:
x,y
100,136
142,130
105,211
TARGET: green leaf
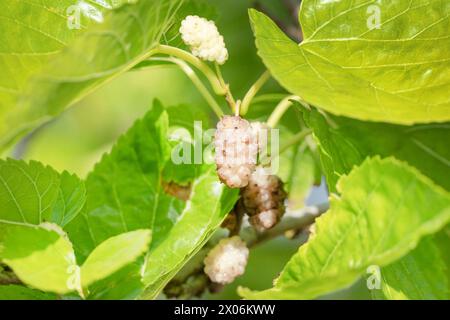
x,y
184,117
210,201
125,193
42,258
384,208
44,32
427,269
124,189
349,68
27,191
420,275
345,142
49,66
113,254
70,200
125,284
14,292
31,193
442,242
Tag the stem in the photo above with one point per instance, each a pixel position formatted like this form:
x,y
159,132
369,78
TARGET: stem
x,y
228,95
219,74
216,83
294,221
270,97
196,81
280,109
237,108
253,91
295,139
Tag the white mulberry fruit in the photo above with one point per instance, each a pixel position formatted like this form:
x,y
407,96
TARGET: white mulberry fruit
x,y
236,151
204,39
227,260
263,199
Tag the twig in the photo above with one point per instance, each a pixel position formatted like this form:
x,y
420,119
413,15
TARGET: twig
x,y
185,281
253,91
8,277
293,221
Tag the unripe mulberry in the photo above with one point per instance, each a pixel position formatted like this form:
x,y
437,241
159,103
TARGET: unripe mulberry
x,y
227,260
204,39
236,151
263,199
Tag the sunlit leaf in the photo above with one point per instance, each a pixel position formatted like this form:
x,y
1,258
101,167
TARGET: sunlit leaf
x,y
113,254
41,258
420,275
31,193
345,142
393,69
55,64
383,210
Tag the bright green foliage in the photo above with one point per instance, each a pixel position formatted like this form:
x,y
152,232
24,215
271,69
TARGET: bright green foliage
x,y
442,242
346,142
397,72
124,189
210,201
31,193
140,216
185,116
187,127
123,284
43,34
383,210
40,79
113,254
41,258
15,292
427,269
420,275
70,200
126,192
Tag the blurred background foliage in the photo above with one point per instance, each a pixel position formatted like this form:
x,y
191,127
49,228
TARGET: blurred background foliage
x,y
76,140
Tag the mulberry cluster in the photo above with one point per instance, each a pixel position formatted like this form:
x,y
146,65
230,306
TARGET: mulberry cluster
x,y
204,39
236,151
237,145
227,260
263,199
